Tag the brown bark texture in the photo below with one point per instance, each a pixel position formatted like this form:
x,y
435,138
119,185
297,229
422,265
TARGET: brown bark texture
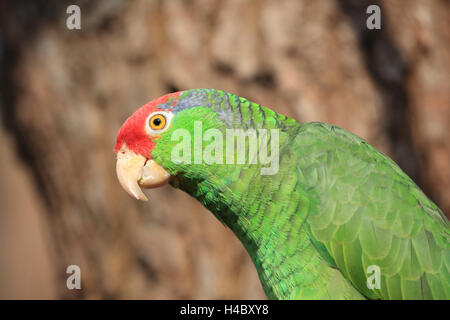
x,y
65,93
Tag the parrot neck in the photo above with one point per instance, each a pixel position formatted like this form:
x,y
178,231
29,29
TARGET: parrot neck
x,y
270,226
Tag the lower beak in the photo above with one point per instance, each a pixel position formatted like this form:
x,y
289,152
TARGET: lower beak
x,y
135,171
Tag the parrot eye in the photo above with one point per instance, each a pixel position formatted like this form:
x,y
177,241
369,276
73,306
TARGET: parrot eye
x,y
158,122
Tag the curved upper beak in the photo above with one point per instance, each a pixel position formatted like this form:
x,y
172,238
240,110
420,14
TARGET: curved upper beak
x,y
135,171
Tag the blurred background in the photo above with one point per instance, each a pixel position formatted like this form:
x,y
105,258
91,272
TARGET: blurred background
x,y
65,93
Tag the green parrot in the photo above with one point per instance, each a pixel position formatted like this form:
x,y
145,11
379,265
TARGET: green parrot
x,y
322,214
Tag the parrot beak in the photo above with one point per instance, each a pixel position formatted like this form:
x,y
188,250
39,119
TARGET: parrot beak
x,y
135,171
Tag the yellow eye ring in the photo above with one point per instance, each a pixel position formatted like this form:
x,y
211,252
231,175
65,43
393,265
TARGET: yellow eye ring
x,y
157,122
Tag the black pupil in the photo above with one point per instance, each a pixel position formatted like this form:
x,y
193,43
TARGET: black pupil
x,y
157,121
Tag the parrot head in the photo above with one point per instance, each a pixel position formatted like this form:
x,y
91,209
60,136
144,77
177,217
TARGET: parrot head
x,y
145,140
135,142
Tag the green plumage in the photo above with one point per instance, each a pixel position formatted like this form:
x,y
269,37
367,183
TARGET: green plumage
x,y
335,207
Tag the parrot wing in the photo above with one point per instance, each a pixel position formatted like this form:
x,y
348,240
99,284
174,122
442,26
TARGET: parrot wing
x,y
370,213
